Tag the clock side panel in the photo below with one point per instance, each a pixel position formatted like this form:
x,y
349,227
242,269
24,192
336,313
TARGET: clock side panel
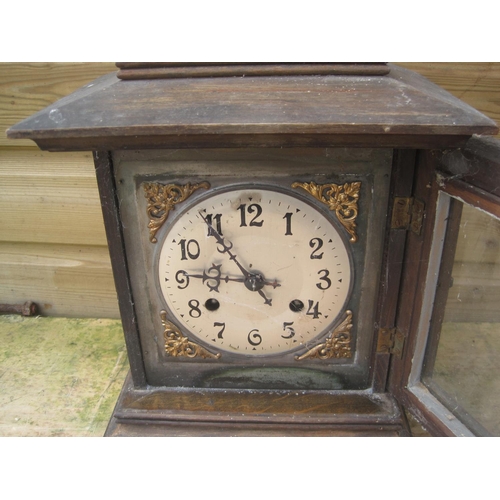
x,y
173,356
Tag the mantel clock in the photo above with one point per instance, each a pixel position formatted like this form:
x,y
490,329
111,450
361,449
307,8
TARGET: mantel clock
x,y
264,221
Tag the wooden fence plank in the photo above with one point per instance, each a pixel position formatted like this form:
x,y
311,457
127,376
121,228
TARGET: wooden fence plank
x,y
71,281
49,198
479,238
475,292
473,300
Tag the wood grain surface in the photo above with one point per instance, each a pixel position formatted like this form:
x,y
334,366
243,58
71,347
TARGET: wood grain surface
x,y
49,198
26,88
63,280
112,114
477,84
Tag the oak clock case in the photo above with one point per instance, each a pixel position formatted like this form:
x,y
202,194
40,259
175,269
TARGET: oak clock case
x,y
295,130
222,299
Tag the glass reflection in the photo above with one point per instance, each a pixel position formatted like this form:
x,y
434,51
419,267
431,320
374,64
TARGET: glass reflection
x,y
462,364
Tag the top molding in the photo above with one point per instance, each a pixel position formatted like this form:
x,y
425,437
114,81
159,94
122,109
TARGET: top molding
x,y
400,109
148,71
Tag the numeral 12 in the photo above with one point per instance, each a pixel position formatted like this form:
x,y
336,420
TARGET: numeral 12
x,y
251,209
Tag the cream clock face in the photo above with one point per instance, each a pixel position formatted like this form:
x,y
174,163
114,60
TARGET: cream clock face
x,y
254,272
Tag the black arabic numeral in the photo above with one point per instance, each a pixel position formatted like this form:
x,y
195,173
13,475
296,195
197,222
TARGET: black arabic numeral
x,y
190,249
184,278
316,244
219,335
327,281
312,310
287,327
194,310
254,339
254,207
218,225
288,218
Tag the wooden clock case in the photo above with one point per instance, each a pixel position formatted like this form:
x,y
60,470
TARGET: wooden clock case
x,y
388,128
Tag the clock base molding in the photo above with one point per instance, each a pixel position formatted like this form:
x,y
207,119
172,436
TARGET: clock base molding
x,y
201,412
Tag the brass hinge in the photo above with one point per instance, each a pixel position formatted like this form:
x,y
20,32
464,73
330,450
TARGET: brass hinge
x,y
390,341
408,214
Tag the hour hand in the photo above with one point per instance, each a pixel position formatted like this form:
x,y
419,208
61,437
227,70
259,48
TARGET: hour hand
x,y
267,302
212,277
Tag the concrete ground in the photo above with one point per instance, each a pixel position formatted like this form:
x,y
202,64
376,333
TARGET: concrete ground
x,y
59,377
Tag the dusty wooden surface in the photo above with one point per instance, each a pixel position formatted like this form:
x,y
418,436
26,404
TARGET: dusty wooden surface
x,y
112,114
59,377
28,87
477,84
51,199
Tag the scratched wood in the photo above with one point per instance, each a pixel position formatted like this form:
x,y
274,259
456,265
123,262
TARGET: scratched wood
x,y
26,88
234,111
477,84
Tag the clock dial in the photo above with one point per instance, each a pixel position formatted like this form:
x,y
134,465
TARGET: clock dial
x,y
254,272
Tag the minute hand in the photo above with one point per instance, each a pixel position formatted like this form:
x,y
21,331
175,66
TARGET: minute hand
x,y
254,282
227,247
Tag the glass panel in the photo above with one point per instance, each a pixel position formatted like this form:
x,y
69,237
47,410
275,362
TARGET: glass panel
x,y
462,364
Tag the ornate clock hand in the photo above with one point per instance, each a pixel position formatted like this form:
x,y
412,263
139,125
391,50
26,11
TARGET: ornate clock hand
x,y
212,280
207,276
253,281
264,282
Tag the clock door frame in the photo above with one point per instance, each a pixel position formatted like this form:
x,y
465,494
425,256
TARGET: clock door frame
x,y
130,171
469,175
371,411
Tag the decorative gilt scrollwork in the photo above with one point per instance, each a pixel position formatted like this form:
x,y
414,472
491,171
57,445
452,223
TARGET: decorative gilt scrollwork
x,y
162,198
337,345
343,199
177,345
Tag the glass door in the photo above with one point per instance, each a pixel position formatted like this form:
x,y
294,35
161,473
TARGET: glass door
x,y
451,381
